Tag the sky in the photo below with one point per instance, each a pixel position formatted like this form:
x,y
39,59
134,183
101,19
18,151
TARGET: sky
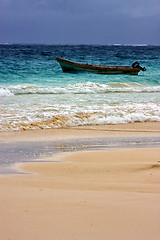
x,y
80,21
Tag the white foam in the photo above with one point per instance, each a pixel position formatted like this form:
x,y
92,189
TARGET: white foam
x,y
4,92
60,115
79,88
77,104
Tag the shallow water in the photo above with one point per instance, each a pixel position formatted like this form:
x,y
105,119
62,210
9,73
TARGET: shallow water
x,y
35,93
18,152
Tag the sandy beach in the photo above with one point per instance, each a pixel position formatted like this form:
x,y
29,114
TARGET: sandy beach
x,y
109,194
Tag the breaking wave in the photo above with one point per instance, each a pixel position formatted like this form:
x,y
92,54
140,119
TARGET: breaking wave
x,y
79,88
69,116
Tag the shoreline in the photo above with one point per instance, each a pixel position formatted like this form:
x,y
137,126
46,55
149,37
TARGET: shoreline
x,y
138,128
40,145
106,194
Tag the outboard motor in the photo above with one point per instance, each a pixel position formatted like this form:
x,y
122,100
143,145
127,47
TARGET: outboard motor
x,y
136,65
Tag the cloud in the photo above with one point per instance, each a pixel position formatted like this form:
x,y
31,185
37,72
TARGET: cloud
x,y
42,5
142,9
83,21
134,8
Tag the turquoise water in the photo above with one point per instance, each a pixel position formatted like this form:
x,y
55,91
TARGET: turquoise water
x,y
35,93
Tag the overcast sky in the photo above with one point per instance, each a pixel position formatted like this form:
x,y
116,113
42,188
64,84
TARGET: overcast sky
x,y
80,21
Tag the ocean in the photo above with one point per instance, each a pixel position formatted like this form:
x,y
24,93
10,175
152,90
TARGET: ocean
x,y
36,94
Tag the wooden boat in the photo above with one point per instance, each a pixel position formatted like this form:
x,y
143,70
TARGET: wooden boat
x,y
69,66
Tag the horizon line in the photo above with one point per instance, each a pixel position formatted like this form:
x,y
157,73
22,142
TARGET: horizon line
x,y
83,44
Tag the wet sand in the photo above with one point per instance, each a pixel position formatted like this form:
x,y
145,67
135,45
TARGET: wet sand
x,y
137,129
111,194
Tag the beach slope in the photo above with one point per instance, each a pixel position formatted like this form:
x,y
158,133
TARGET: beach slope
x,y
86,195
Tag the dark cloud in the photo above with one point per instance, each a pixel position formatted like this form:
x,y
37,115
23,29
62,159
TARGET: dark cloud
x,y
75,22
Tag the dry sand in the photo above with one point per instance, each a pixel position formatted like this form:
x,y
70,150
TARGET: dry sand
x,y
112,195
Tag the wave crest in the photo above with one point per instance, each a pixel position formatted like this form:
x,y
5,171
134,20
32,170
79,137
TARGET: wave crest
x,y
4,92
78,88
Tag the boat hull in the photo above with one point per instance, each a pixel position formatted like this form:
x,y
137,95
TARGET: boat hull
x,y
69,66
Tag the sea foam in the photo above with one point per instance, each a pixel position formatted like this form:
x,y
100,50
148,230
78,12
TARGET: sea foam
x,y
63,115
5,92
35,93
79,88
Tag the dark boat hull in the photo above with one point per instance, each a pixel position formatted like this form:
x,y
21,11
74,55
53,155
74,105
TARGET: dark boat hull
x,y
69,66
